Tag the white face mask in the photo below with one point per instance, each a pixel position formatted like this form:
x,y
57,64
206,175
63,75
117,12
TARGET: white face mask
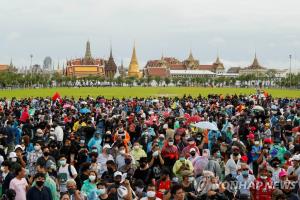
x,y
37,147
139,190
122,152
256,142
2,168
14,159
263,177
151,194
92,177
136,147
215,186
155,153
234,139
171,143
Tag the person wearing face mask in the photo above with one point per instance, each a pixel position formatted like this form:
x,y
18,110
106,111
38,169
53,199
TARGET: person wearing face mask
x,y
46,156
103,158
143,172
255,153
129,167
262,188
5,176
99,193
72,190
49,182
275,163
137,151
164,184
95,166
233,163
120,159
170,153
95,141
191,144
193,156
294,170
39,191
89,184
139,188
183,167
108,176
244,179
33,157
155,161
151,193
213,164
65,172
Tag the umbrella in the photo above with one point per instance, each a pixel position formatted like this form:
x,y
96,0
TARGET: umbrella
x,y
85,110
229,106
258,108
83,102
66,106
206,125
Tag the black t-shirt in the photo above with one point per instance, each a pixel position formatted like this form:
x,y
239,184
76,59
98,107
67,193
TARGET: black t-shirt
x,y
155,168
143,175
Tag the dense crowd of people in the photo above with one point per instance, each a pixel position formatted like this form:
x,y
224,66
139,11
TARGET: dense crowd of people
x,y
216,147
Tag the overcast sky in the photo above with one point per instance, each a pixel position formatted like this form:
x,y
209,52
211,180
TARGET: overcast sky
x,y
234,28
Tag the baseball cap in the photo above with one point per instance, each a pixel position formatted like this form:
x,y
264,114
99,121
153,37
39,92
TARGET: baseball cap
x,y
12,155
296,157
192,149
19,147
282,173
106,146
118,173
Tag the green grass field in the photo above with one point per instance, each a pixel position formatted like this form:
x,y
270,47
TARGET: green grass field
x,y
140,92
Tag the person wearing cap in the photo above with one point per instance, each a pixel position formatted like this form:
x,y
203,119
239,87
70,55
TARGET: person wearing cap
x,y
103,157
137,151
39,190
213,164
170,153
112,189
12,157
5,176
294,171
33,157
21,158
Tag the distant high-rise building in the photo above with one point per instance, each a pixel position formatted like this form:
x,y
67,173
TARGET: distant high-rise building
x,y
47,63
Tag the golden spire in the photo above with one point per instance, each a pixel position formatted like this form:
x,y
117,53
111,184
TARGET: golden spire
x,y
191,57
133,70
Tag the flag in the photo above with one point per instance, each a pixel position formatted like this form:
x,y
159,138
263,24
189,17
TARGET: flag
x,y
56,97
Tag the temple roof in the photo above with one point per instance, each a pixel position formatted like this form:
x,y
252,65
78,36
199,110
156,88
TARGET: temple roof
x,y
255,64
218,63
110,64
133,66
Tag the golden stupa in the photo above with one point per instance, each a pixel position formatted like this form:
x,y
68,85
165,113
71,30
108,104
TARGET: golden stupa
x,y
133,69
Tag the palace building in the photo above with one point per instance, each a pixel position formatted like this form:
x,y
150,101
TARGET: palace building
x,y
87,66
169,66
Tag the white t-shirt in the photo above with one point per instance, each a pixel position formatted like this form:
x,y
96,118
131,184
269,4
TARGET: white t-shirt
x,y
59,133
63,175
19,186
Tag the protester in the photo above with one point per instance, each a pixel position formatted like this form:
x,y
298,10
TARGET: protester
x,y
145,148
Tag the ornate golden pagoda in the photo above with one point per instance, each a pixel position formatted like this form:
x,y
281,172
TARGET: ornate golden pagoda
x,y
133,69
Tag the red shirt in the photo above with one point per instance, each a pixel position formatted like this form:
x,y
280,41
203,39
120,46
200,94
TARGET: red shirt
x,y
162,186
262,190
